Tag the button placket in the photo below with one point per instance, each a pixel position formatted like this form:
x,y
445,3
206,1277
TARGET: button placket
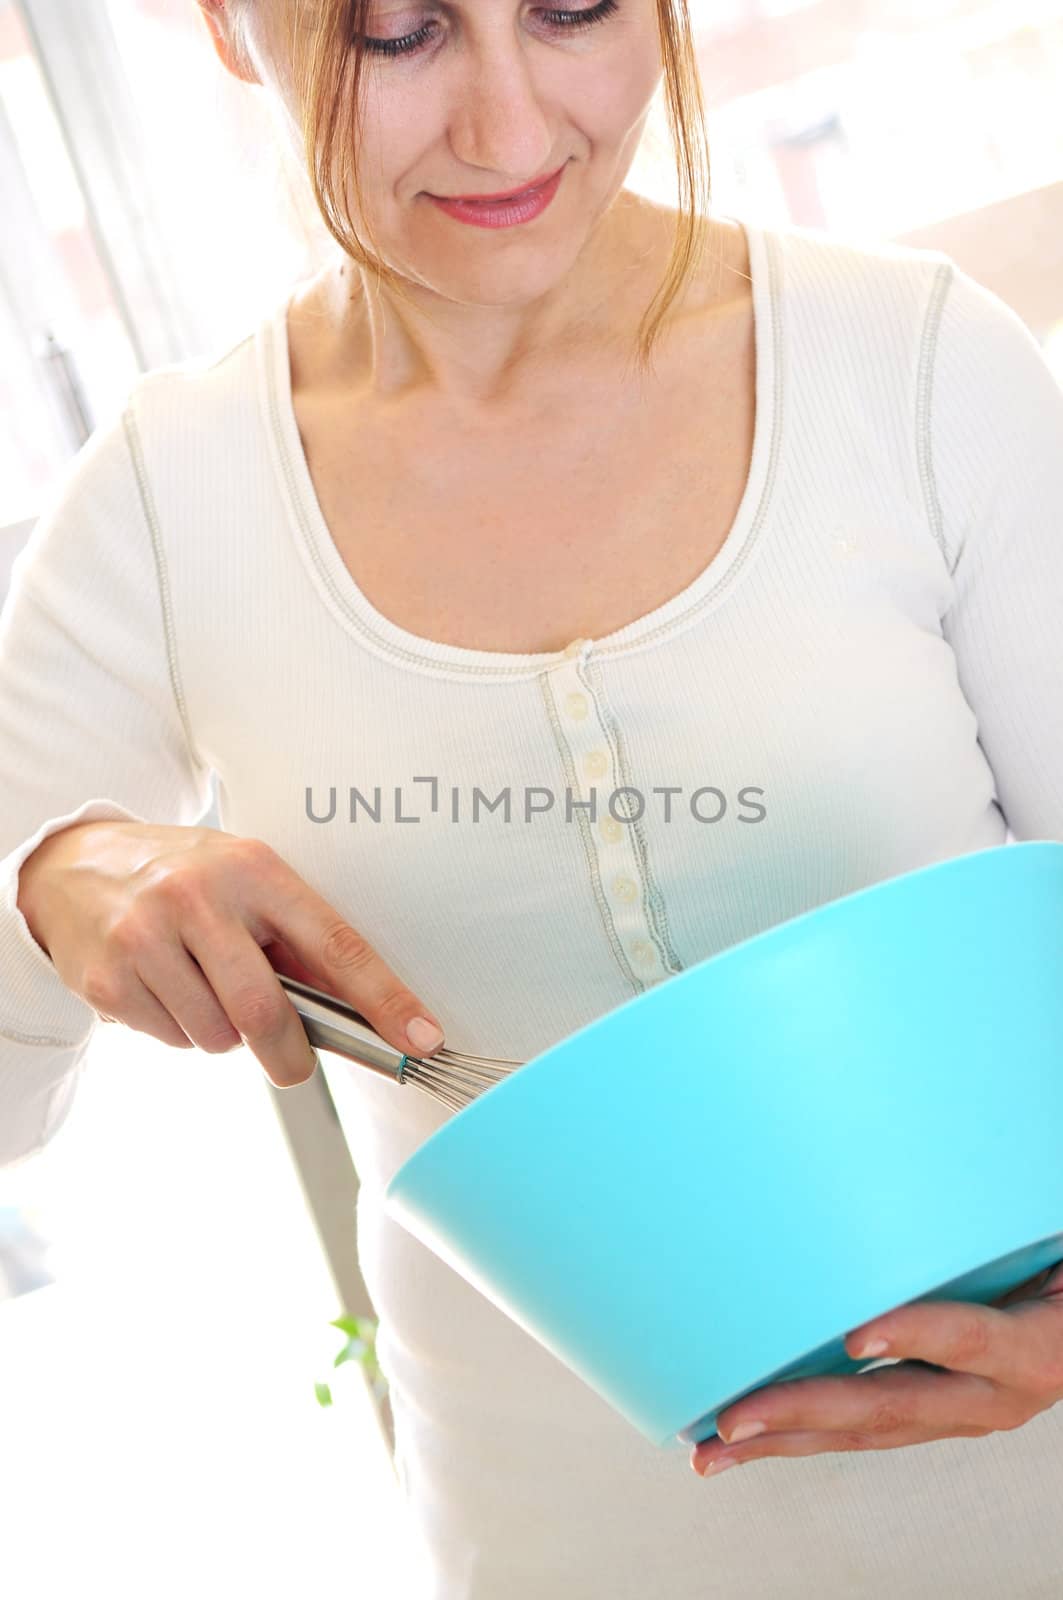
x,y
618,863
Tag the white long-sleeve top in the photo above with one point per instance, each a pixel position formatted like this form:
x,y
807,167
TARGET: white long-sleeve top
x,y
870,674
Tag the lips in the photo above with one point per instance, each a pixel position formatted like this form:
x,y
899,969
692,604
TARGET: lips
x,y
498,199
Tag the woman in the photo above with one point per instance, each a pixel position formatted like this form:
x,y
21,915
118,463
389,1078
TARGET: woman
x,y
784,559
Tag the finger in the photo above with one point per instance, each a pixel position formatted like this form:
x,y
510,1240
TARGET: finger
x,y
282,960
286,909
1024,1290
127,1000
252,998
178,982
710,1459
907,1399
986,1341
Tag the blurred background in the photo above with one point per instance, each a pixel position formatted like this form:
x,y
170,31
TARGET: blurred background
x,y
170,1265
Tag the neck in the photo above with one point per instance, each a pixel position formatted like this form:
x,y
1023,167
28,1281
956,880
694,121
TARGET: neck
x,y
496,358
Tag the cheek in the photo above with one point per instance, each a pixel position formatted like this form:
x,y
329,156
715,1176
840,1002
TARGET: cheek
x,y
391,153
614,96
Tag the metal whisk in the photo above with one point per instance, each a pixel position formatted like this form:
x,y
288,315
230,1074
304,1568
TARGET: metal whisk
x,y
451,1076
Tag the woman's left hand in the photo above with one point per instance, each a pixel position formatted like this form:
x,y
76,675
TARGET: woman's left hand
x,y
966,1370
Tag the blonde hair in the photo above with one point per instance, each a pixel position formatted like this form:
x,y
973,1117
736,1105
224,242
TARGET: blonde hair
x,y
326,77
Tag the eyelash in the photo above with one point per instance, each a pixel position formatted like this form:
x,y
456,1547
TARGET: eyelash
x,y
565,20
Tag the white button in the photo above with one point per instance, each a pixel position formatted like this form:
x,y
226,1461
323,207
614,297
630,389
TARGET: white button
x,y
595,762
574,648
611,829
625,888
576,706
643,952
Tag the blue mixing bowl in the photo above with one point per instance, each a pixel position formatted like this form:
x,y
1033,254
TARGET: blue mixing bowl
x,y
702,1191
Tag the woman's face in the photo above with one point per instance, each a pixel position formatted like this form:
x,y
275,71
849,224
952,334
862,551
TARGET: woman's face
x,y
480,96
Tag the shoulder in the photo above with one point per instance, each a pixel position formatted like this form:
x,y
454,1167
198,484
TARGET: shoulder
x,y
182,445
947,325
855,282
194,429
204,393
991,417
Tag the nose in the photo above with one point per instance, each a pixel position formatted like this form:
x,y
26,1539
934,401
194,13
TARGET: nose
x,y
499,121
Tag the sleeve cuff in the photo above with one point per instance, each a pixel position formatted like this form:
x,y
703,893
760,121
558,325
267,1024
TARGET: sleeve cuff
x,y
36,1007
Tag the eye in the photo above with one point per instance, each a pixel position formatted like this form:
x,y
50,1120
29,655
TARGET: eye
x,y
563,21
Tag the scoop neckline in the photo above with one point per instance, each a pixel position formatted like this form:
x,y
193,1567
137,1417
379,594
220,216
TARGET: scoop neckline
x,y
353,608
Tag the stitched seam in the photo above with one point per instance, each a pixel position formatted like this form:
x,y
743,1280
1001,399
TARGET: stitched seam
x,y
39,1038
652,899
588,845
942,282
234,350
133,441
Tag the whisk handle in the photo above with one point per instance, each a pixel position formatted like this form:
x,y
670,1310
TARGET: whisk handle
x,y
332,1024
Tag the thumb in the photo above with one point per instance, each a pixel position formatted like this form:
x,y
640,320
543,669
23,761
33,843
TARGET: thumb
x,y
1050,1281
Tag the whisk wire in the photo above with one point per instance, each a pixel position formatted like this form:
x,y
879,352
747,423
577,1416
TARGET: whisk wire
x,y
454,1077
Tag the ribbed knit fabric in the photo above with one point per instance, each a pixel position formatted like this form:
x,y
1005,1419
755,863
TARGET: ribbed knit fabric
x,y
869,673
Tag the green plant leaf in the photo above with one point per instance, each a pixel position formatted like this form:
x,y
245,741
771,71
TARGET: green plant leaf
x,y
361,1347
346,1324
353,1350
324,1394
357,1327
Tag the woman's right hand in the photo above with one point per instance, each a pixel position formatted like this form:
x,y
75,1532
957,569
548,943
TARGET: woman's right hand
x,y
180,932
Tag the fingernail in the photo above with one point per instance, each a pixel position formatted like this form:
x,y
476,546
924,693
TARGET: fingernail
x,y
424,1035
745,1430
875,1347
717,1465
